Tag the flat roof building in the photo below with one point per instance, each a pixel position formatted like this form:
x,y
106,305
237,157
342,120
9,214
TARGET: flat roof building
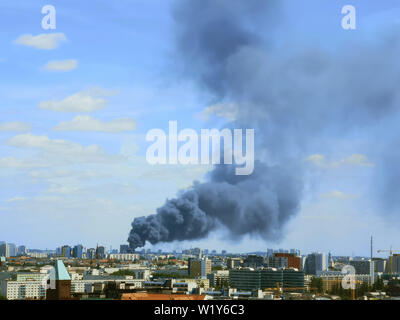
x,y
260,279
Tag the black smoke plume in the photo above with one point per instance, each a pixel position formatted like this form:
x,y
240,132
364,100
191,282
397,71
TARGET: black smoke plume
x,y
257,204
296,99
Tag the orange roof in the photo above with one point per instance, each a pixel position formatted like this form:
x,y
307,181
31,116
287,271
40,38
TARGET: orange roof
x,y
156,296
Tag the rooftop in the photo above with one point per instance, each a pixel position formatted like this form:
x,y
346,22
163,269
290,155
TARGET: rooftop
x,y
61,271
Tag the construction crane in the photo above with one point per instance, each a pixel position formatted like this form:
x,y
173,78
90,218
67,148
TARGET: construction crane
x,y
391,251
352,290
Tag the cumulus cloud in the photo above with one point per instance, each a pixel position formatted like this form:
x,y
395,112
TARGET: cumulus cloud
x,y
87,123
227,111
15,126
42,41
61,65
55,150
352,160
84,101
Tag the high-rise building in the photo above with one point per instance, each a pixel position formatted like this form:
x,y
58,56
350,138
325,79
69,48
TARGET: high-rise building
x,y
254,261
197,252
13,249
394,263
100,252
4,250
361,266
78,251
315,262
22,251
66,251
8,250
285,260
199,267
124,248
380,264
91,253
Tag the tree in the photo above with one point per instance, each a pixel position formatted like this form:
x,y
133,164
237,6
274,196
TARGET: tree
x,y
316,282
216,268
124,273
362,290
378,285
218,284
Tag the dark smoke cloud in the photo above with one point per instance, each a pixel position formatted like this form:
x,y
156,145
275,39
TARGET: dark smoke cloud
x,y
257,204
295,98
209,32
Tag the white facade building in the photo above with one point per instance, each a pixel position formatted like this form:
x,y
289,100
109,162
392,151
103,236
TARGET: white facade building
x,y
124,256
21,290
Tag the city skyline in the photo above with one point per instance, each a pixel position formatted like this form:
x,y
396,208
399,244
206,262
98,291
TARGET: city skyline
x,y
206,251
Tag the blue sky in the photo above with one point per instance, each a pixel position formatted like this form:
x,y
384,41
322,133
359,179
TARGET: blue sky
x,y
75,175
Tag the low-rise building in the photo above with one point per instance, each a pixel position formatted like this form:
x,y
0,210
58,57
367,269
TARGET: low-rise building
x,y
124,256
22,286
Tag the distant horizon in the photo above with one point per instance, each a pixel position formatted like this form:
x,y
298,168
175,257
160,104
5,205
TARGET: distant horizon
x,y
218,251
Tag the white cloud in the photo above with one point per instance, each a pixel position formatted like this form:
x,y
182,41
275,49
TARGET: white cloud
x,y
55,151
42,41
227,111
353,160
87,123
10,162
358,160
15,126
15,199
61,65
84,101
336,194
317,159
